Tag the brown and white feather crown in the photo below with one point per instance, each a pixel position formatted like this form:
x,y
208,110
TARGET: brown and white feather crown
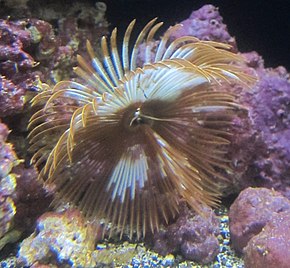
x,y
127,143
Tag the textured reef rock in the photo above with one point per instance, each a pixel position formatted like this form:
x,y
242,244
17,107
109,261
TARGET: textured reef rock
x,y
22,198
8,160
16,66
31,200
193,236
270,248
11,97
260,149
31,51
64,235
251,211
206,23
268,105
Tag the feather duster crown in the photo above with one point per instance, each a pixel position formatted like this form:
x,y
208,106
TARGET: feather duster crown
x,y
126,143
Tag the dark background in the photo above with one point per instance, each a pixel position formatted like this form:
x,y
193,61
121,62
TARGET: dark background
x,y
263,26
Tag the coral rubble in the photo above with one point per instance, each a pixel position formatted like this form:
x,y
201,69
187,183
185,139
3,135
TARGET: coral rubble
x,y
56,231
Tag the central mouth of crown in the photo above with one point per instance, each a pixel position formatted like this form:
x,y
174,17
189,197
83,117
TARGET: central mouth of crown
x,y
141,114
134,117
137,119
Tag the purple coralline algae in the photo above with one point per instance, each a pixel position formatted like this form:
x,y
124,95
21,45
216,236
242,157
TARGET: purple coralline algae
x,y
251,211
11,97
260,150
30,199
192,235
269,113
30,52
206,23
16,66
270,248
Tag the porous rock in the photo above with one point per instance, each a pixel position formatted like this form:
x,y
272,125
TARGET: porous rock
x,y
251,211
60,237
206,23
270,248
8,160
260,149
192,235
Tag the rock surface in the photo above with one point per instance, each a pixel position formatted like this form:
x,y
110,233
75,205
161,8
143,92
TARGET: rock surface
x,y
270,248
261,148
251,211
62,234
206,23
193,236
8,160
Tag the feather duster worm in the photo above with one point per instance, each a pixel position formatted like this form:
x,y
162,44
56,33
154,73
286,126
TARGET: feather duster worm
x,y
130,141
